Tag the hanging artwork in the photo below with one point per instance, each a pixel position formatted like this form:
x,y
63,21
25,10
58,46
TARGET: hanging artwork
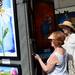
x,y
9,45
11,69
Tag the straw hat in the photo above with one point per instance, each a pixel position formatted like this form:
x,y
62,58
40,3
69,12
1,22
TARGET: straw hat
x,y
67,24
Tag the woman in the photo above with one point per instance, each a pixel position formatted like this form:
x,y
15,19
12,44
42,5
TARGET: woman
x,y
57,62
69,44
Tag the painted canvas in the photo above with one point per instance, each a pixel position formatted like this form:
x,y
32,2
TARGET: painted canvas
x,y
8,45
10,70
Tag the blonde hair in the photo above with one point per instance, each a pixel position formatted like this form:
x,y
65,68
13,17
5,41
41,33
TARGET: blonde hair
x,y
58,38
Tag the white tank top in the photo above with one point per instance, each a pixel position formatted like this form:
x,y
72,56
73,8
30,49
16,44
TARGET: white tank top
x,y
60,69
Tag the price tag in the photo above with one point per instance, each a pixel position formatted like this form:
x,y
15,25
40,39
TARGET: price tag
x,y
5,61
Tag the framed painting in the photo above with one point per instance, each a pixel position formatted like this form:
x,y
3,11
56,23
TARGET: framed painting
x,y
11,69
9,36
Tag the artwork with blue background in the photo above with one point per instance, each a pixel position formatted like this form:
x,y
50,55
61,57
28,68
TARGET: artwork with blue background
x,y
7,29
10,69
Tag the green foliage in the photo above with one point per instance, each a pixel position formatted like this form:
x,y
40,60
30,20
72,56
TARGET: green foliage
x,y
5,32
0,42
5,73
1,39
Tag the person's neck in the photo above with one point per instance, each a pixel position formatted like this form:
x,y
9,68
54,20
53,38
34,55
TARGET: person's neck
x,y
55,47
69,33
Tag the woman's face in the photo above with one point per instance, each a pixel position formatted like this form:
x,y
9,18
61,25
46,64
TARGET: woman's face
x,y
52,44
66,30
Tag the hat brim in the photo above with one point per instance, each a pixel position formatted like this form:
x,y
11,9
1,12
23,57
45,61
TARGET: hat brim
x,y
63,26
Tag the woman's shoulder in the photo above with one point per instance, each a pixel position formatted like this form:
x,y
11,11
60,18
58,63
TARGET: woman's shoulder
x,y
60,51
52,58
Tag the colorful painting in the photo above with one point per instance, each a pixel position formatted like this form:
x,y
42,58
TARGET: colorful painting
x,y
8,47
10,70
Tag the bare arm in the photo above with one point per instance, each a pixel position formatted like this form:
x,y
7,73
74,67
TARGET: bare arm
x,y
50,63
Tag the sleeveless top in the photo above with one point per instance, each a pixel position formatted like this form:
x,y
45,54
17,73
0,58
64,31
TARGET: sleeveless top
x,y
60,69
